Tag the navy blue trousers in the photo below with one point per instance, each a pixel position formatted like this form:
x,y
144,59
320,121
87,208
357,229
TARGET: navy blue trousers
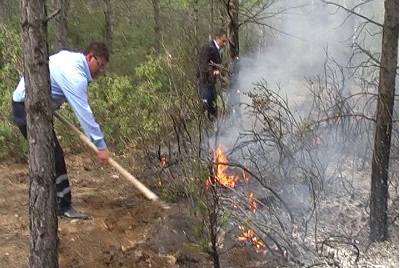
x,y
61,180
208,95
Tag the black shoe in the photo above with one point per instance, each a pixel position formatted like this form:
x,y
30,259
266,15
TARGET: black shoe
x,y
71,213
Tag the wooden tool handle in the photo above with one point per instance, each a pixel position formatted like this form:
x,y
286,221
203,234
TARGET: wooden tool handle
x,y
141,187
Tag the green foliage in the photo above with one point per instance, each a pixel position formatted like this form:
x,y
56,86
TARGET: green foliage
x,y
110,100
128,114
85,23
131,113
178,4
11,64
12,142
11,67
149,73
200,227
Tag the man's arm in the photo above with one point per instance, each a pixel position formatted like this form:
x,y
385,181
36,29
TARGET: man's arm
x,y
204,58
78,100
75,91
218,72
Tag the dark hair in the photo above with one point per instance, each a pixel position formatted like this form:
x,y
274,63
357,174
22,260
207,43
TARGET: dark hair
x,y
220,32
99,49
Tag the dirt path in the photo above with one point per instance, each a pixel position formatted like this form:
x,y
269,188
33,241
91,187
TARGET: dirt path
x,y
126,230
116,236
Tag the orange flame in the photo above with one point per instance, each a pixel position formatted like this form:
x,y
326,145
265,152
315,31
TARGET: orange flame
x,y
230,181
253,203
163,160
220,171
248,235
245,178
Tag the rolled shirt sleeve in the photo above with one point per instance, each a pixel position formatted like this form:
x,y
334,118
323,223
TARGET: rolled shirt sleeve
x,y
75,91
70,75
83,112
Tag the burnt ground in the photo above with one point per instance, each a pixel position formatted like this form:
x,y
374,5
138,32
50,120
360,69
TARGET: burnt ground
x,y
126,230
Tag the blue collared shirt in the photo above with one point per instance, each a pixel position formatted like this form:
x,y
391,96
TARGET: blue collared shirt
x,y
70,76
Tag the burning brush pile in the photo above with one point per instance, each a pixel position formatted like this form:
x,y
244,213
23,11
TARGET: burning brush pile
x,y
294,191
246,214
300,222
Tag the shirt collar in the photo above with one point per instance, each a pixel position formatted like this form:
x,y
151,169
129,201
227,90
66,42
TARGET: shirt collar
x,y
86,69
216,45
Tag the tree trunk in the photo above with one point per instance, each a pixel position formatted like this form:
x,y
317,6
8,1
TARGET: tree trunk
x,y
108,36
233,33
233,29
386,94
42,193
157,26
223,9
61,23
211,21
196,25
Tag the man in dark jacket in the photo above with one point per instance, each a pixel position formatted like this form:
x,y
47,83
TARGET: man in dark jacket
x,y
208,70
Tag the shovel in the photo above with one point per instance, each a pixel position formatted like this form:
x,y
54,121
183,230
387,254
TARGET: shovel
x,y
140,186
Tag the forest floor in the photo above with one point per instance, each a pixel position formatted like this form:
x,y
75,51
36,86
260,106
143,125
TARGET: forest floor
x,y
126,229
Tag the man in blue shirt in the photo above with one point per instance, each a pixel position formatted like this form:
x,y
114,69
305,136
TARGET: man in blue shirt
x,y
70,74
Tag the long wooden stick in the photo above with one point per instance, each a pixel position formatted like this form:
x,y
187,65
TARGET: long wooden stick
x,y
140,186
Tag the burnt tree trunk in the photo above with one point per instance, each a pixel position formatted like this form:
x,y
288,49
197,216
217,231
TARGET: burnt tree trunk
x,y
42,193
61,23
383,131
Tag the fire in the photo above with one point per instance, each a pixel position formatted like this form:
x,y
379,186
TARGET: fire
x,y
163,160
245,178
220,171
230,181
253,203
248,235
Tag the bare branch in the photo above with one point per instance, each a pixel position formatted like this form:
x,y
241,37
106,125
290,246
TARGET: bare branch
x,y
368,53
52,15
353,12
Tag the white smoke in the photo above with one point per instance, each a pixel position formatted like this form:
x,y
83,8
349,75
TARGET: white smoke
x,y
308,29
327,164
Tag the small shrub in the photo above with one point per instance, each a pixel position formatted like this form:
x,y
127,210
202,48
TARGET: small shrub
x,y
11,66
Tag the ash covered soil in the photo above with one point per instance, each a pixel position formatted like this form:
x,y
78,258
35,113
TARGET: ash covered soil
x,y
126,229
